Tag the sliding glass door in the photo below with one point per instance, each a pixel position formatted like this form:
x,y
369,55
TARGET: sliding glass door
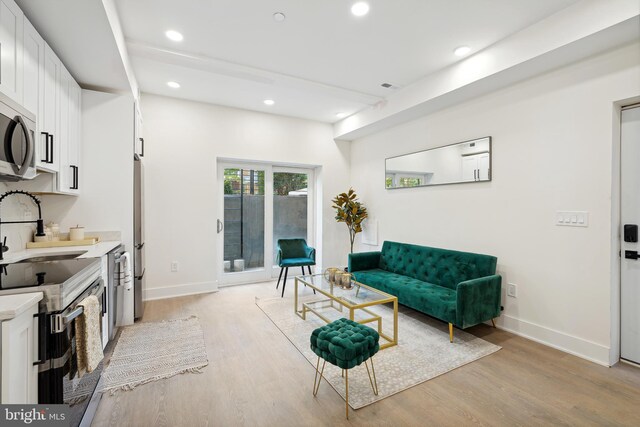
x,y
292,207
259,204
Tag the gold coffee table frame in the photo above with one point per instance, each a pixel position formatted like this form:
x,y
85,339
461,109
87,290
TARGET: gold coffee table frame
x,y
338,302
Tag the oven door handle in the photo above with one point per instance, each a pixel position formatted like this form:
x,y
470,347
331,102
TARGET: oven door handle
x,y
42,338
59,321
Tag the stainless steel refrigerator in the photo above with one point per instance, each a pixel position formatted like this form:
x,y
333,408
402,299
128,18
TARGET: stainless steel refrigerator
x,y
138,236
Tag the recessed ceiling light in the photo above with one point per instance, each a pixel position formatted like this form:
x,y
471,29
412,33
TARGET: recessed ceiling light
x,y
341,115
279,17
269,102
174,35
173,85
360,9
462,50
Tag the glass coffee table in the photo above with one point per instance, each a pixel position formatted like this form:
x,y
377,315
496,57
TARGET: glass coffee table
x,y
332,302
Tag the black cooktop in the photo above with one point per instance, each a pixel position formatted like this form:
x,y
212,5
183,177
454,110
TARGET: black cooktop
x,y
30,274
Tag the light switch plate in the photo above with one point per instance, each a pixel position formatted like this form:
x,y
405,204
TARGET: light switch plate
x,y
512,290
572,218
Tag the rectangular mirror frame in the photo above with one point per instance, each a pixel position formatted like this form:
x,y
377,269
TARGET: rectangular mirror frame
x,y
489,172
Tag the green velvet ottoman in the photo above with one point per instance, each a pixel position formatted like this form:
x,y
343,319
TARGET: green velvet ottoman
x,y
345,344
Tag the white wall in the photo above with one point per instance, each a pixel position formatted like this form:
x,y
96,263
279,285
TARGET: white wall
x,y
13,208
183,141
552,150
106,171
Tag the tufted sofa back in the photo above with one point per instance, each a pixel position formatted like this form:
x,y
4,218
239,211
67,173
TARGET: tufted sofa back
x,y
441,267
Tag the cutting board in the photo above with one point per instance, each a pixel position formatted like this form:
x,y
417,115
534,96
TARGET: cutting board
x,y
63,243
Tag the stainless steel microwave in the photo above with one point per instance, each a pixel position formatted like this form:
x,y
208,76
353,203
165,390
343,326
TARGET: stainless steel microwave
x,y
17,133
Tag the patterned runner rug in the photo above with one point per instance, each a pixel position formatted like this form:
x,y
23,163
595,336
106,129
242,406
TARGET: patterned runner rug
x,y
148,352
423,351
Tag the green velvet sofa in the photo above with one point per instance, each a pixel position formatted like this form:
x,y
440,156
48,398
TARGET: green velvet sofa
x,y
460,288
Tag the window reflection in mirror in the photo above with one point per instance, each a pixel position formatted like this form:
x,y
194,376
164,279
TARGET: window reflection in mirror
x,y
468,161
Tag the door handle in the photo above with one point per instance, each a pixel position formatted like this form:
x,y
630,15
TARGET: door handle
x,y
220,226
46,147
51,142
631,255
474,174
141,147
74,170
42,338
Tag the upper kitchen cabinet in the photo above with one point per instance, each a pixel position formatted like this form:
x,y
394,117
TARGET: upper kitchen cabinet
x,y
49,120
34,93
70,113
32,74
11,51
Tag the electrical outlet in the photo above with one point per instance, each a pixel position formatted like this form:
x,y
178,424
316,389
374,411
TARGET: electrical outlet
x,y
27,215
174,266
512,290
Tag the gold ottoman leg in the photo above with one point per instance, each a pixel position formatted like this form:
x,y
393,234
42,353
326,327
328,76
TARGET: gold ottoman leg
x,y
346,380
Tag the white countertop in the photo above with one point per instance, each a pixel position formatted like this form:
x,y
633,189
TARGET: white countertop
x,y
92,251
13,305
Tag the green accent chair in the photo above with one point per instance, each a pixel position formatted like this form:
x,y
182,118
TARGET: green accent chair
x,y
460,288
293,253
345,344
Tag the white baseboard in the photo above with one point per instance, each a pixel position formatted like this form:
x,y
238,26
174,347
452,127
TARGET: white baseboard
x,y
180,290
585,349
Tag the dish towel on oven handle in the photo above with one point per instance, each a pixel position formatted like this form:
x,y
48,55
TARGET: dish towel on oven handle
x,y
126,276
124,296
88,335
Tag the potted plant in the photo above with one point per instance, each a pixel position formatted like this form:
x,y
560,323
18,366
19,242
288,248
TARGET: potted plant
x,y
350,211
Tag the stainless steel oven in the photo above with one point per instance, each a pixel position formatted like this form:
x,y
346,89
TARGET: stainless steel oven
x,y
58,379
17,134
65,281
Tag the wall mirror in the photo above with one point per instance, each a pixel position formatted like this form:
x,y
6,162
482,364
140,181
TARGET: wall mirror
x,y
468,161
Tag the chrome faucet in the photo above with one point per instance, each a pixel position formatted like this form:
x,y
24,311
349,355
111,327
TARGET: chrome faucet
x,y
39,222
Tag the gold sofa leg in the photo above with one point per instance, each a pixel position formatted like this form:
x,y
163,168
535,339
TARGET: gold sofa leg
x,y
493,322
450,332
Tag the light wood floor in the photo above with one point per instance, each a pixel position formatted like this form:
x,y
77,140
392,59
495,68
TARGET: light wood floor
x,y
256,377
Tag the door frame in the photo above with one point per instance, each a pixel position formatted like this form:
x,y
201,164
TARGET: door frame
x,y
260,275
616,232
270,270
275,270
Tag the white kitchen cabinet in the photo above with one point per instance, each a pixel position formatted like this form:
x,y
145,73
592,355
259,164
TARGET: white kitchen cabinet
x,y
49,121
11,51
69,131
33,75
19,375
476,167
33,94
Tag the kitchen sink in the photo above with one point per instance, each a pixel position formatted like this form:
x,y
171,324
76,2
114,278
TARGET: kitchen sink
x,y
53,257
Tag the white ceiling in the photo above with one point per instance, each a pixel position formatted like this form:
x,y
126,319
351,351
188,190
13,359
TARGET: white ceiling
x,y
80,34
321,60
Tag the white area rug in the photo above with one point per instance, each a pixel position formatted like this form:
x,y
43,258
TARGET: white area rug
x,y
148,352
423,351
